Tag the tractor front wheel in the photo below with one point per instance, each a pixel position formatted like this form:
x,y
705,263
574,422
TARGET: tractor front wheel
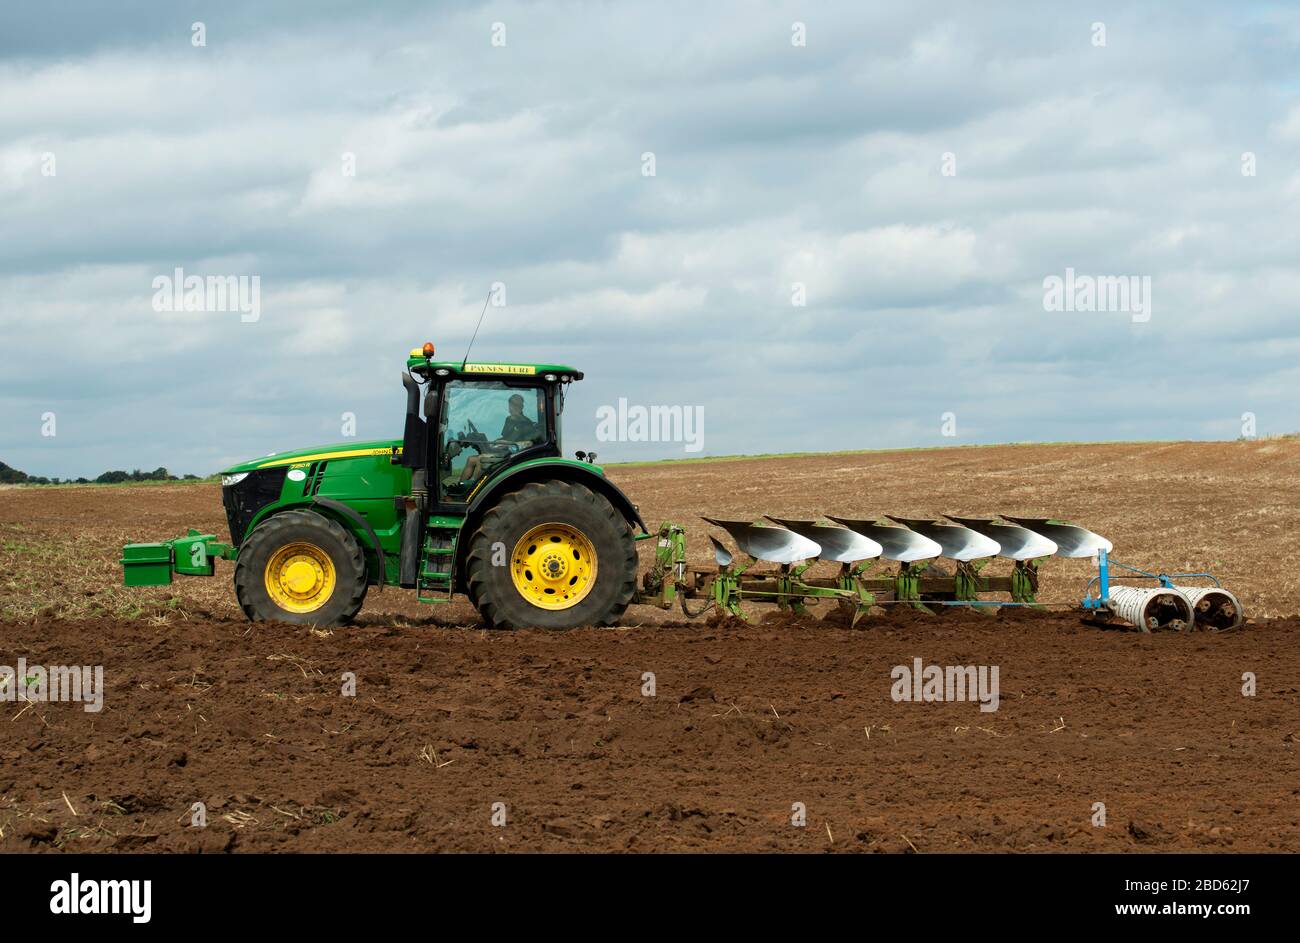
x,y
302,567
551,555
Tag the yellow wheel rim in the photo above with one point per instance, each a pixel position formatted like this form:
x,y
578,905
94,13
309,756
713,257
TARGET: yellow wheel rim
x,y
300,577
553,566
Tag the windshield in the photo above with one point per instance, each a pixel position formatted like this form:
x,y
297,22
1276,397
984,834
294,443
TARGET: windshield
x,y
483,424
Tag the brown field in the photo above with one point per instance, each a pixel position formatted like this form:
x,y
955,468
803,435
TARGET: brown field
x,y
747,720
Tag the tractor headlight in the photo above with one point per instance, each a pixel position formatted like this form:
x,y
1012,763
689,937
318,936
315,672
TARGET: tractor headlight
x,y
228,480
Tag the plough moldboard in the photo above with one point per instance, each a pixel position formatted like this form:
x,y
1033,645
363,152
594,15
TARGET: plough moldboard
x,y
796,563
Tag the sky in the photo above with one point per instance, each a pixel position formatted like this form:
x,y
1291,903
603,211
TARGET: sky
x,y
812,225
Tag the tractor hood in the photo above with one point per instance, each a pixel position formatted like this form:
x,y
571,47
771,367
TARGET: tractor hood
x,y
317,453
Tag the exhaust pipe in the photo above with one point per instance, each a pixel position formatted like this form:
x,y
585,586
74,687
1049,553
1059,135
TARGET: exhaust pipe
x,y
415,434
412,395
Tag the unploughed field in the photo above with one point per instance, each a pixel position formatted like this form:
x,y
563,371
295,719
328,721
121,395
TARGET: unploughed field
x,y
747,720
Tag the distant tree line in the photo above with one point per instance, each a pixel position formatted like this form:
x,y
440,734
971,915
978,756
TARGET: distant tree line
x,y
12,476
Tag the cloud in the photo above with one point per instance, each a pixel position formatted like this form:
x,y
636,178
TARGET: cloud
x,y
776,165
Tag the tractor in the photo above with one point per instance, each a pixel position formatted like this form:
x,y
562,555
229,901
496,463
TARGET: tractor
x,y
475,498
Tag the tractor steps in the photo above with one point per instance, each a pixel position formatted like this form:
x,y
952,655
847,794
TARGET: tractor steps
x,y
436,579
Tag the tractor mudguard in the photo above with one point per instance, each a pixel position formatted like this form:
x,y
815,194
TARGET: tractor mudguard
x,y
554,469
338,507
345,515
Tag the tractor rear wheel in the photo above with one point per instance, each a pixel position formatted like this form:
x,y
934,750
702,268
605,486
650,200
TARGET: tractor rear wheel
x,y
551,555
301,567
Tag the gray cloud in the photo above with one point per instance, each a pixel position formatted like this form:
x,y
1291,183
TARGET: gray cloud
x,y
775,164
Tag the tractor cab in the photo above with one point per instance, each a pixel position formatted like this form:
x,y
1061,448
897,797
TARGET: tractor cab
x,y
479,420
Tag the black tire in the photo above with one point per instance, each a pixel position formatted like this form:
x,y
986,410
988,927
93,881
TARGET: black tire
x,y
351,579
491,588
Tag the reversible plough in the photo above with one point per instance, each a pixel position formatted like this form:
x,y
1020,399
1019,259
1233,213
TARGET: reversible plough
x,y
779,557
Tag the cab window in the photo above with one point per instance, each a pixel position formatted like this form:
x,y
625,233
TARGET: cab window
x,y
483,424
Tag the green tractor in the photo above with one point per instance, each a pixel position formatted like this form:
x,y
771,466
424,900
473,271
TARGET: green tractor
x,y
476,498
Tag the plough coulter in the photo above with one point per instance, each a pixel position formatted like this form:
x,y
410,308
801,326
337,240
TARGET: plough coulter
x,y
536,539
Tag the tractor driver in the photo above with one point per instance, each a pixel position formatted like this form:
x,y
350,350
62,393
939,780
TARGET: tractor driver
x,y
518,430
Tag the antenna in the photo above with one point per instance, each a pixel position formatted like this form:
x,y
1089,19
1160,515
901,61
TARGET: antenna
x,y
476,327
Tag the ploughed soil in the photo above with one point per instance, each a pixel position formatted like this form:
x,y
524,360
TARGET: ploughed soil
x,y
745,721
